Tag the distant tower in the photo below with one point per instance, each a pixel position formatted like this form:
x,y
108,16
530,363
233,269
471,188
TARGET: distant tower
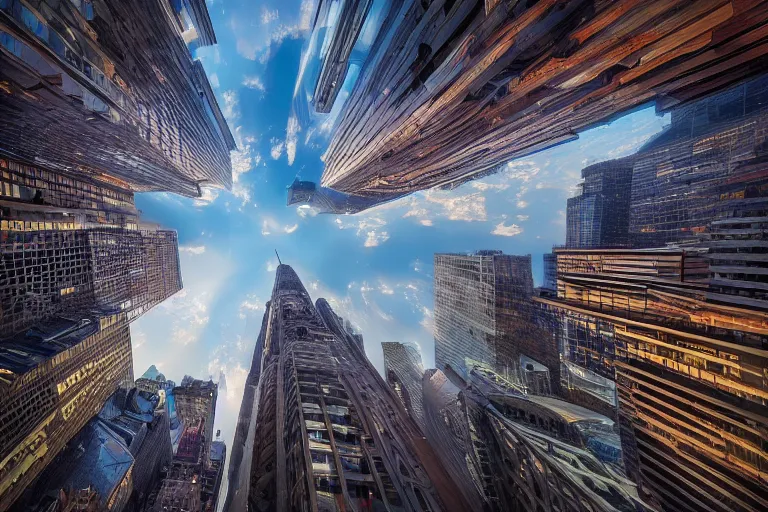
x,y
325,429
599,215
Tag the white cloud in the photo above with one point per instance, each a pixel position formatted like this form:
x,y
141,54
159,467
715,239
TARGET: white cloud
x,y
292,137
523,218
305,211
502,230
482,186
249,305
277,147
291,229
470,207
522,204
268,16
243,159
208,196
376,238
231,109
385,288
196,249
254,82
214,80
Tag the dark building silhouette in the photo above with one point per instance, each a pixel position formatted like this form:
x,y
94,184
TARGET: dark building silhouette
x,y
326,430
109,91
440,102
599,215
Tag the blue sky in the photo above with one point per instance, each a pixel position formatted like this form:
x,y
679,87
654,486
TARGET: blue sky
x,y
375,268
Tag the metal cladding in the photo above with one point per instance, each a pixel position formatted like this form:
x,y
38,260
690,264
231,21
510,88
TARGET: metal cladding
x,y
104,93
55,378
599,215
707,164
404,372
688,362
513,451
325,430
506,79
483,311
538,461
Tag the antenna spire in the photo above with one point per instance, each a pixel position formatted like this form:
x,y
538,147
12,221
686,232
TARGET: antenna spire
x,y
278,257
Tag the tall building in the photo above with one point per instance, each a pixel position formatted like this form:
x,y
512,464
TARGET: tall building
x,y
688,361
705,166
460,450
326,432
195,401
55,378
181,489
109,91
115,460
72,244
483,312
404,372
550,272
96,464
439,102
213,475
599,215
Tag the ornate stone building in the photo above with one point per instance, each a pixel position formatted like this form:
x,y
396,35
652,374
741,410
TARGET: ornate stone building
x,y
325,431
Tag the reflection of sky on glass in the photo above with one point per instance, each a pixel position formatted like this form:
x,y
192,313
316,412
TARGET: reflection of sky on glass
x,y
374,268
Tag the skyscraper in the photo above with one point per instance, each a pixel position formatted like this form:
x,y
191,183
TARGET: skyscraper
x,y
326,431
440,101
55,378
111,93
404,372
704,166
483,311
599,215
688,363
72,244
195,402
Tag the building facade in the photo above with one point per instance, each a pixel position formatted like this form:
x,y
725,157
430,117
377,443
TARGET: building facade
x,y
196,401
56,377
109,90
404,372
435,103
599,215
680,354
328,433
705,166
483,312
